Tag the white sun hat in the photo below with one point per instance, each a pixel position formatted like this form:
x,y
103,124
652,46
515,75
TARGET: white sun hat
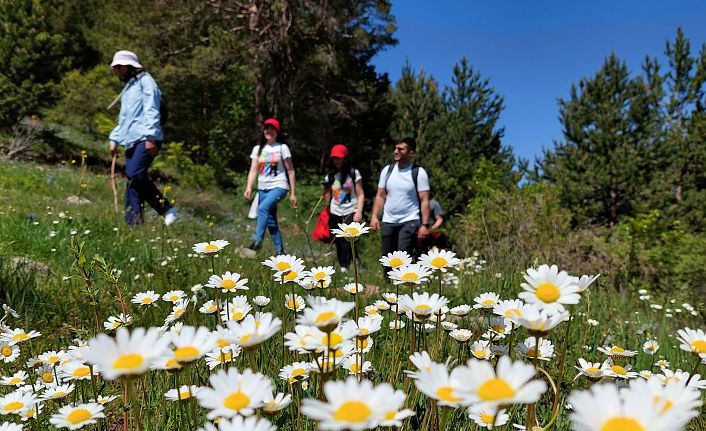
x,y
126,58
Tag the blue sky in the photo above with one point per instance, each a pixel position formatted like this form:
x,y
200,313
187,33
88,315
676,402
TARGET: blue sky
x,y
532,50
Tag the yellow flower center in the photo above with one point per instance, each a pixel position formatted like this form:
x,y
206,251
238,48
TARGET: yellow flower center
x,y
174,298
172,363
116,324
353,411
488,302
531,353
291,275
617,350
698,346
79,415
390,415
245,338
480,354
395,262
15,380
439,262
423,307
13,406
6,351
20,337
320,275
128,362
281,266
298,372
211,248
351,231
617,369
184,395
228,284
237,316
622,424
499,329
410,276
332,338
236,401
325,316
58,394
223,357
513,312
47,377
592,369
292,304
185,353
548,292
495,389
354,368
446,393
487,418
223,343
146,300
81,372
373,311
362,344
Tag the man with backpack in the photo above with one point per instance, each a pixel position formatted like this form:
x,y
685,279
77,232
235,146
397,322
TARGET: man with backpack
x,y
139,131
403,196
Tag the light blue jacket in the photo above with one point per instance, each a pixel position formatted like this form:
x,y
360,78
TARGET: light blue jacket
x,y
139,118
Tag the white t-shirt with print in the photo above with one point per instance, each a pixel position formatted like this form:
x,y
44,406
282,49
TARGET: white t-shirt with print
x,y
270,161
343,196
402,203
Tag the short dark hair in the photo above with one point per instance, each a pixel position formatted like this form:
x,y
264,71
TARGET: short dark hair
x,y
410,141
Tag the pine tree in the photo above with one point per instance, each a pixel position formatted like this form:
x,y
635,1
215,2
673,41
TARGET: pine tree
x,y
608,126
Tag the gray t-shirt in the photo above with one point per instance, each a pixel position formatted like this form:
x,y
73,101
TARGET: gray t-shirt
x,y
402,203
434,210
270,161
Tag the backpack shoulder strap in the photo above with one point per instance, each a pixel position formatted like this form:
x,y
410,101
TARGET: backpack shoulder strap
x,y
390,167
415,174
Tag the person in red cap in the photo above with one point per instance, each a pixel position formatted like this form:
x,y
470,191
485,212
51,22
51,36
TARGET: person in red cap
x,y
271,163
343,189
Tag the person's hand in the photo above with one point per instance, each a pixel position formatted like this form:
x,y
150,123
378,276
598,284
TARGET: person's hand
x,y
247,193
114,149
151,148
293,200
375,224
423,232
357,217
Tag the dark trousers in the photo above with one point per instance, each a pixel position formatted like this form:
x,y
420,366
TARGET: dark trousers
x,y
343,246
139,187
400,237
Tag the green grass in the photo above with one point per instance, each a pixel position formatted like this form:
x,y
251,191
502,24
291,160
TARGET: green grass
x,y
36,223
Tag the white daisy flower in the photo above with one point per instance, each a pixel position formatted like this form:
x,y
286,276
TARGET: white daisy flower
x,y
184,393
17,335
77,416
294,372
261,301
487,300
591,370
236,309
228,282
412,274
441,260
486,416
650,347
75,370
460,310
58,391
283,263
233,393
528,349
208,307
508,384
295,302
17,379
461,335
422,305
693,341
127,353
440,384
222,356
252,332
549,288
211,247
9,352
352,405
239,423
145,298
191,343
274,404
350,231
396,259
174,296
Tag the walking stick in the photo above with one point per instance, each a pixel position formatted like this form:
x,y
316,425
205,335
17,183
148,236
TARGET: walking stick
x,y
112,183
306,228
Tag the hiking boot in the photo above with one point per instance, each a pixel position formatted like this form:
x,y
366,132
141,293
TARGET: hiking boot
x,y
255,246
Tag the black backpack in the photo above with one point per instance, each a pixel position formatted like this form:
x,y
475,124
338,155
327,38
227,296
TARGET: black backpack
x,y
163,106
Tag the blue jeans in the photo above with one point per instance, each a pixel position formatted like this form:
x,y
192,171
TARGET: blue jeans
x,y
267,216
139,187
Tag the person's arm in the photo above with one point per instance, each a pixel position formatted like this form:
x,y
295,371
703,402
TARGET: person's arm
x,y
151,119
292,180
438,221
424,208
380,197
252,176
360,196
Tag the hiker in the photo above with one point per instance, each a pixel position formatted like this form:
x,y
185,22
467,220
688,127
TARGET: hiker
x,y
343,188
271,164
139,130
436,217
403,195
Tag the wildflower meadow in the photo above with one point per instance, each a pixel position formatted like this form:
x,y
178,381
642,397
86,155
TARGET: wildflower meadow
x,y
156,328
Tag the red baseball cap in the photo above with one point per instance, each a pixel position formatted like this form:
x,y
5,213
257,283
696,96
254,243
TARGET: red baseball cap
x,y
272,122
339,150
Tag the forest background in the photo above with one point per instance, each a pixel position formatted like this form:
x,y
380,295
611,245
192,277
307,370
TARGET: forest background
x,y
621,193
